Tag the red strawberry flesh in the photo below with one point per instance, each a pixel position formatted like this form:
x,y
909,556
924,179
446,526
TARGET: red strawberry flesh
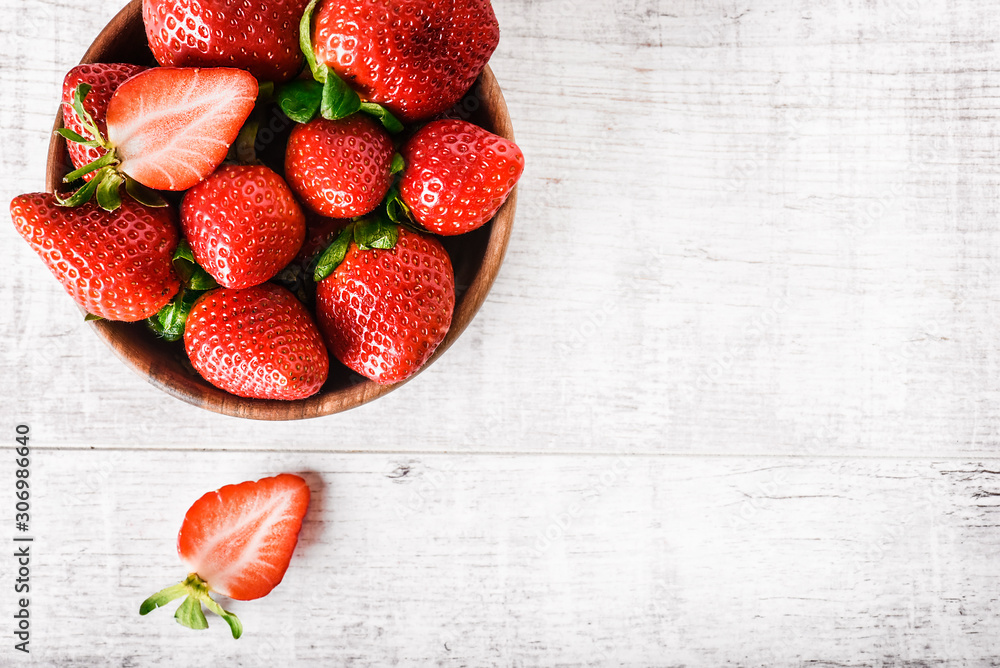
x,y
171,127
240,539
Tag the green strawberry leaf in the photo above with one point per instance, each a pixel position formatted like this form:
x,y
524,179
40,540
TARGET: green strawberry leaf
x,y
192,275
380,233
190,614
69,135
339,100
86,192
162,597
90,317
319,70
104,161
234,622
398,164
143,195
333,255
300,99
395,208
184,252
170,321
89,124
108,196
389,122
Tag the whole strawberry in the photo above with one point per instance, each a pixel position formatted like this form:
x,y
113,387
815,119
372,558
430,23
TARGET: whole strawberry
x,y
237,541
115,265
384,311
457,175
104,79
243,224
340,169
258,343
260,36
417,58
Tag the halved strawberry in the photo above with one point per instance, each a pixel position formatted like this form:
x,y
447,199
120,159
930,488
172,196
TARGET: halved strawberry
x,y
173,126
104,79
168,128
237,541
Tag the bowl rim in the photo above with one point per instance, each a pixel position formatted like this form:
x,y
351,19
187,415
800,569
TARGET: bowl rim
x,y
120,338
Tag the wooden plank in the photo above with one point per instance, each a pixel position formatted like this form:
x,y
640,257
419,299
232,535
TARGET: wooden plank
x,y
528,560
763,228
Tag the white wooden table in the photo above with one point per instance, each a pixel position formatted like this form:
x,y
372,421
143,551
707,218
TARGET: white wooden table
x,y
733,400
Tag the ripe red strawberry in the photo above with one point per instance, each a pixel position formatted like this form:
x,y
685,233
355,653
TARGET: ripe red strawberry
x,y
258,343
457,175
384,312
114,265
340,169
255,35
417,58
171,127
243,224
237,541
105,79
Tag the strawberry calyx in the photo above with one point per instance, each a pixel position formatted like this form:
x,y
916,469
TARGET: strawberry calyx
x,y
170,321
328,94
189,613
108,180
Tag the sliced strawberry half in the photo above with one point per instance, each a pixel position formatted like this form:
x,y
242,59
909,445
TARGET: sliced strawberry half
x,y
237,541
172,126
167,129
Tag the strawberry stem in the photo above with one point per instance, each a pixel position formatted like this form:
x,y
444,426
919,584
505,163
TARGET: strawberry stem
x,y
189,613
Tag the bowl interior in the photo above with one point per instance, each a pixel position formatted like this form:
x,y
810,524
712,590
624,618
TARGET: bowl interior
x,y
476,257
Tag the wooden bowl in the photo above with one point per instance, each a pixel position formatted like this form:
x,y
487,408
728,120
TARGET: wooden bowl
x,y
476,257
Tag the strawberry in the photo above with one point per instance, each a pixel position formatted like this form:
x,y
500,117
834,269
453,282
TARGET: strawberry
x,y
237,541
383,312
243,224
255,35
341,168
104,78
168,128
417,58
173,126
258,343
457,175
114,265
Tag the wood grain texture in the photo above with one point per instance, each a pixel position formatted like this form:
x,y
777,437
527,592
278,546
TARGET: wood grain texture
x,y
755,227
537,561
759,234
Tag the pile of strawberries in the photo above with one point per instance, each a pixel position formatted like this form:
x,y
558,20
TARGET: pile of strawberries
x,y
265,269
